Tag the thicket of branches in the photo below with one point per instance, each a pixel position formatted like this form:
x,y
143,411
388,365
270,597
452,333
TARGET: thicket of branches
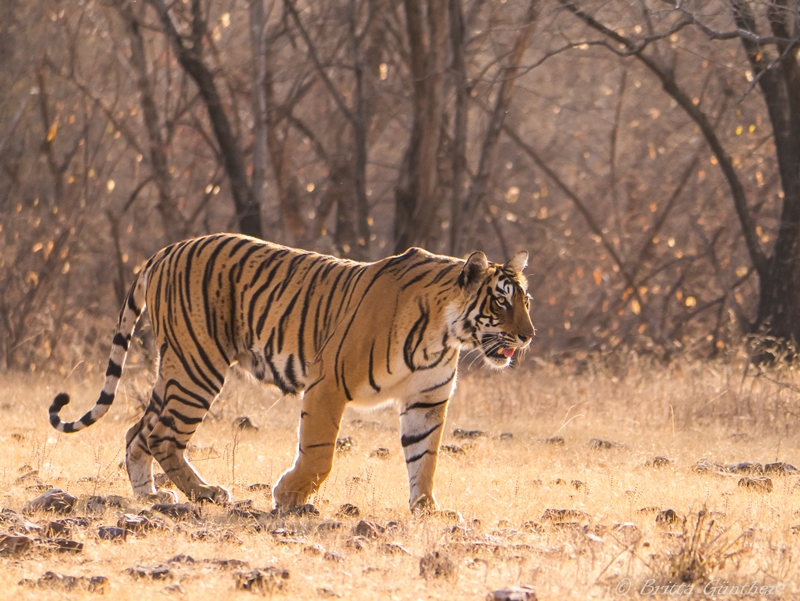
x,y
644,152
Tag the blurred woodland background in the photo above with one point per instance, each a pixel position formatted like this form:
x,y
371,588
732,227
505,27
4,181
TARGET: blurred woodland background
x,y
646,153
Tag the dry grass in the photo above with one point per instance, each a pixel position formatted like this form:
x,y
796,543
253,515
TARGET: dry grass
x,y
500,487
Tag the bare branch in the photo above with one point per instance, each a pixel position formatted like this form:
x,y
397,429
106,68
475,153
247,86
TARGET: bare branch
x,y
670,86
312,52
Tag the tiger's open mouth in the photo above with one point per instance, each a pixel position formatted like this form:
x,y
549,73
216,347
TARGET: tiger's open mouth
x,y
496,352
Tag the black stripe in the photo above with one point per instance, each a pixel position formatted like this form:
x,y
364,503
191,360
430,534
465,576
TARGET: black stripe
x,y
318,334
435,386
406,441
344,386
442,355
291,270
239,245
319,445
59,402
287,313
201,400
187,322
254,299
274,255
245,257
310,289
310,386
327,311
155,442
441,275
106,398
411,253
277,377
185,418
169,422
422,405
290,373
371,370
195,248
230,321
121,340
417,332
414,280
132,304
420,456
114,369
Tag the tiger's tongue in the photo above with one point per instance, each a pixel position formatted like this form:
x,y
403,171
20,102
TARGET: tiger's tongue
x,y
508,352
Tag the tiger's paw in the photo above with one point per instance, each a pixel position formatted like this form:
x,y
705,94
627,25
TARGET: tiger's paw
x,y
162,496
424,505
297,510
288,496
210,494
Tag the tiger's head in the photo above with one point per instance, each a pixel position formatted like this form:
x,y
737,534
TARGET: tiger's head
x,y
494,316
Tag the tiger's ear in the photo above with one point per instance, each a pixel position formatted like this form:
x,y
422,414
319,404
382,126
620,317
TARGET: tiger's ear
x,y
474,271
518,262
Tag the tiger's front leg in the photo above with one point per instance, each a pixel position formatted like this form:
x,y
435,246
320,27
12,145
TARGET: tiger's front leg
x,y
320,419
421,425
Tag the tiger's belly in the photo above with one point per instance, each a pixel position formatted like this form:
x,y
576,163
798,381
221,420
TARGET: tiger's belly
x,y
281,369
440,381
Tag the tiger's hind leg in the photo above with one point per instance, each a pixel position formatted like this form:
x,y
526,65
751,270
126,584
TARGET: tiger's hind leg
x,y
138,458
186,400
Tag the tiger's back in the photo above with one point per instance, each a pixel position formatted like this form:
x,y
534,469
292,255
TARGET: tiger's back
x,y
336,330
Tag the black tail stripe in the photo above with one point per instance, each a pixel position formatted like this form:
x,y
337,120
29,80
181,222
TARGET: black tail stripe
x,y
106,398
87,419
114,369
132,304
121,340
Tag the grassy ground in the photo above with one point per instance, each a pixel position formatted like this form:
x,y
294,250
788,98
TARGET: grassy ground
x,y
611,546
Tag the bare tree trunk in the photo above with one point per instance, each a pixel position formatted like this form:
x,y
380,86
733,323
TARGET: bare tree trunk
x,y
258,49
779,82
171,219
248,212
779,280
415,206
288,188
459,121
358,247
477,193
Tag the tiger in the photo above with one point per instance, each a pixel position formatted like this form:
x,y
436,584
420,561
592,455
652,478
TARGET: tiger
x,y
336,331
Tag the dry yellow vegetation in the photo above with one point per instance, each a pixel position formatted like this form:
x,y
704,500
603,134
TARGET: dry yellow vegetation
x,y
501,493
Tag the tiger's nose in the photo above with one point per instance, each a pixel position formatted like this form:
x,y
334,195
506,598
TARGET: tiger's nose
x,y
523,339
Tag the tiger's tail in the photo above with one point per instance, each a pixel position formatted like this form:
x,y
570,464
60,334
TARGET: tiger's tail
x,y
128,317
